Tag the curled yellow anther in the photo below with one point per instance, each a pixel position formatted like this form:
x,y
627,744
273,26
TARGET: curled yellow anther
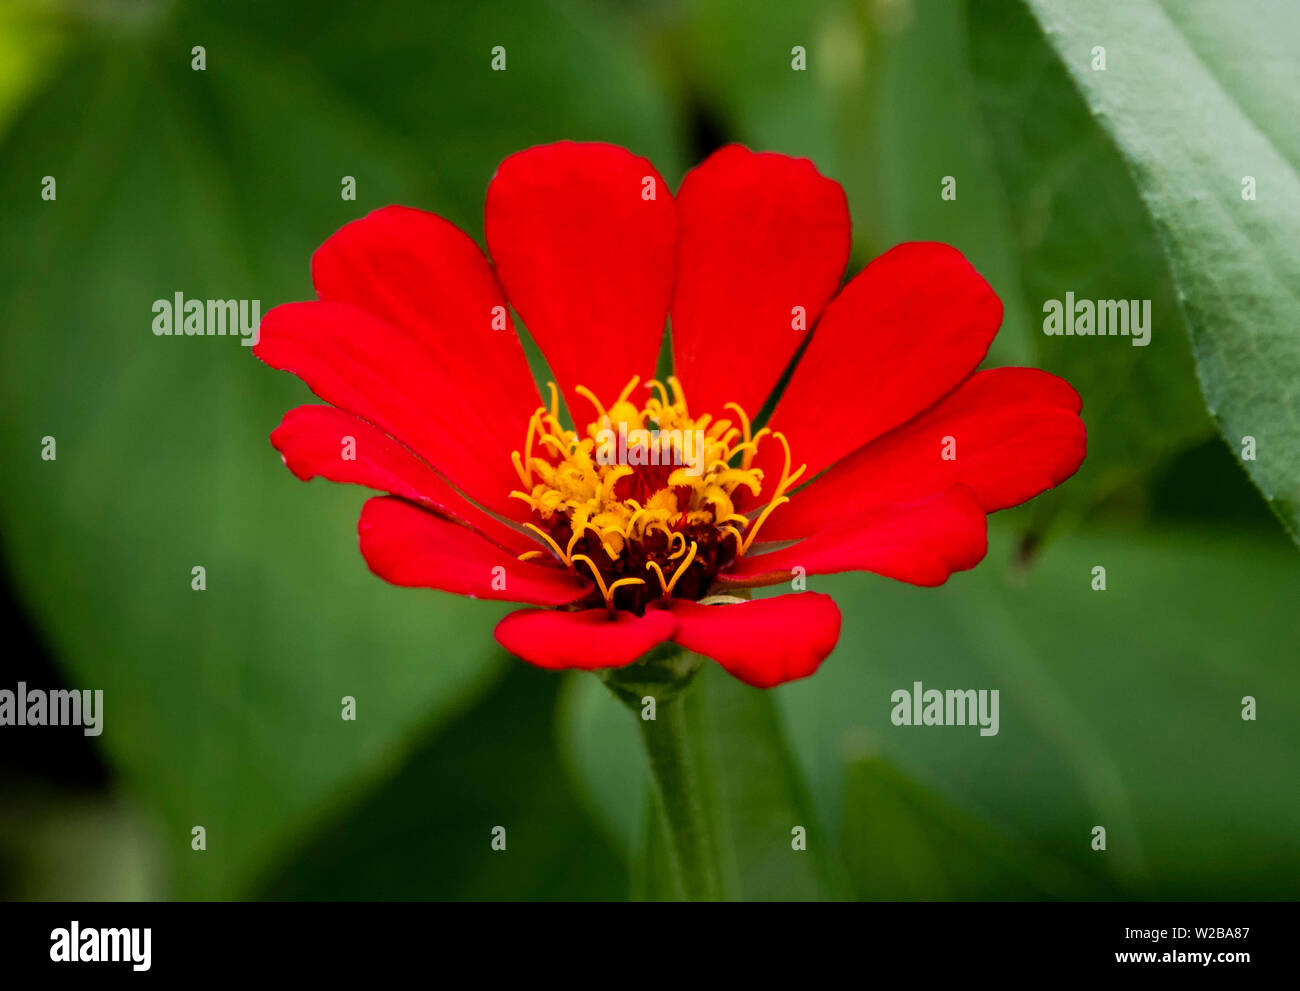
x,y
744,420
520,470
622,581
678,553
590,396
779,497
606,591
577,535
679,397
658,387
654,565
762,517
740,540
637,513
627,389
550,540
681,569
556,445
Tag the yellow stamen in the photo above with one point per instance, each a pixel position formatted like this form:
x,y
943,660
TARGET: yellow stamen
x,y
679,536
606,591
533,423
740,540
658,387
762,518
587,394
522,472
778,497
681,568
577,535
550,540
744,423
679,398
654,565
557,445
622,581
627,389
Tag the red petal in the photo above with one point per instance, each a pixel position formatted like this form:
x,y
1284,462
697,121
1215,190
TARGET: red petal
x,y
311,441
921,542
383,374
760,235
902,334
1015,432
409,546
588,639
427,278
763,642
586,261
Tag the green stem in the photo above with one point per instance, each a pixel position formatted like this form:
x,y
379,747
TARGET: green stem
x,y
680,794
678,767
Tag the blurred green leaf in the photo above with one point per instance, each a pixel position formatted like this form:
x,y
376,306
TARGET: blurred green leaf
x,y
903,842
1120,708
74,845
1080,226
602,752
1199,97
741,70
924,125
427,833
30,42
750,781
223,706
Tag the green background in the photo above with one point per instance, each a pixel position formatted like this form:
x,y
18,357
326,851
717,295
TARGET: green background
x,y
1120,708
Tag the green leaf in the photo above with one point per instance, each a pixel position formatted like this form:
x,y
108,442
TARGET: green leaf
x,y
223,706
751,787
601,751
742,70
30,42
1080,227
1119,708
925,126
1198,96
74,845
427,833
906,842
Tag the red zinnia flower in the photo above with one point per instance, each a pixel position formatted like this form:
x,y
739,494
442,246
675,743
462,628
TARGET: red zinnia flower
x,y
884,452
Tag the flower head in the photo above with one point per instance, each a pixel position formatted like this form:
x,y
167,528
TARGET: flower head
x,y
638,517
